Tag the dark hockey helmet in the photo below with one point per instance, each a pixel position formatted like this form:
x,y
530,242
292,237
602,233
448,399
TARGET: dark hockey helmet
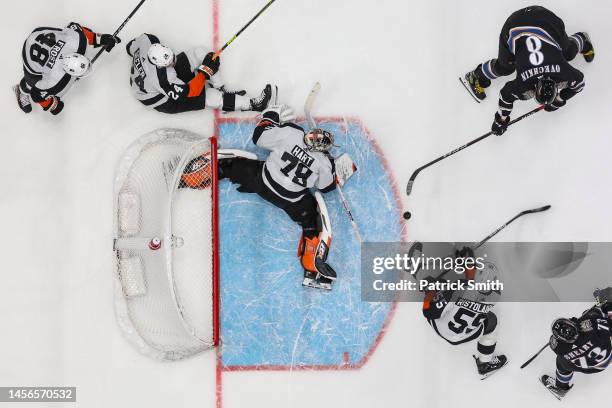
x,y
565,330
319,140
546,90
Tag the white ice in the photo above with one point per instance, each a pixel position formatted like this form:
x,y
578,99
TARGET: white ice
x,y
395,65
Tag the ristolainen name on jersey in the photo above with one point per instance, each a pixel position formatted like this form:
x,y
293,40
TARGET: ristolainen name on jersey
x,y
302,156
545,69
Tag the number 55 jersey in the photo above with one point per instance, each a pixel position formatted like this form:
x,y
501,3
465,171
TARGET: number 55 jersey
x,y
456,319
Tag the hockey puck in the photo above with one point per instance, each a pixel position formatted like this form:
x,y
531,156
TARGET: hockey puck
x,y
407,215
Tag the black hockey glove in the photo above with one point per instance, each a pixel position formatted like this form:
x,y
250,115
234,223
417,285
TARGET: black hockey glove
x,y
53,104
499,125
556,104
210,66
108,42
603,296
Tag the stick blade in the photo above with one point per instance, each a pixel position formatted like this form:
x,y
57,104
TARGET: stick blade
x,y
409,187
537,210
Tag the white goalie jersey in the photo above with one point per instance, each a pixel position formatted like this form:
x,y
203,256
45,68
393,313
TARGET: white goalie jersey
x,y
291,169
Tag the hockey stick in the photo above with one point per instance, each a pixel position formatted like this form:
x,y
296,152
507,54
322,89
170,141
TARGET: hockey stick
x,y
313,124
231,40
491,235
129,17
465,146
532,211
526,363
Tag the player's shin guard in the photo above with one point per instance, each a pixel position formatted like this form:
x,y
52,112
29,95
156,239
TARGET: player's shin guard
x,y
314,249
486,347
564,378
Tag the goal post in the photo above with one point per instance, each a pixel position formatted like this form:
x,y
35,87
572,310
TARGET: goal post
x,y
166,244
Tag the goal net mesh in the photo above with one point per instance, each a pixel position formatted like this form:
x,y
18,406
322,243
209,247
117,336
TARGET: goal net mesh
x,y
165,243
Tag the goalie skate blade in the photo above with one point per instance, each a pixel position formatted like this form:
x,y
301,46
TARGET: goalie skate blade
x,y
315,284
467,88
487,375
549,390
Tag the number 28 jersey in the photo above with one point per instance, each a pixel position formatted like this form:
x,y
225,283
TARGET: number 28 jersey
x,y
457,321
291,169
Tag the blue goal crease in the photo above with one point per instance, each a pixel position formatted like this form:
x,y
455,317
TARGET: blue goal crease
x,y
268,318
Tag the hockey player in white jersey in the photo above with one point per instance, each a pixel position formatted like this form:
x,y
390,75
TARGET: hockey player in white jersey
x,y
462,316
53,59
186,81
298,162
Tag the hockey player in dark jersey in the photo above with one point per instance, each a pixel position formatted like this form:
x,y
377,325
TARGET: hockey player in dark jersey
x,y
463,316
533,43
582,344
53,59
184,82
298,162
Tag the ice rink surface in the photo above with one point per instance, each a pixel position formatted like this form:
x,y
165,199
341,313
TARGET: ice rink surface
x,y
394,66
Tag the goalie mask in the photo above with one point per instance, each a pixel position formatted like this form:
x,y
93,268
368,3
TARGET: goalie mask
x,y
565,330
160,55
546,90
319,140
76,65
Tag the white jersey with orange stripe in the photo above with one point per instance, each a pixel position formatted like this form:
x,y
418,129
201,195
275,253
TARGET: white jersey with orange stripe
x,y
42,53
292,169
154,86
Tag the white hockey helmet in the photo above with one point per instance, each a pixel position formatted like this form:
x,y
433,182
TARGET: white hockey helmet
x,y
160,55
319,140
76,65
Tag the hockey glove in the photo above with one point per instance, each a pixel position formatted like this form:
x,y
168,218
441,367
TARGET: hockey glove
x,y
53,104
556,104
210,66
278,114
603,296
500,124
108,42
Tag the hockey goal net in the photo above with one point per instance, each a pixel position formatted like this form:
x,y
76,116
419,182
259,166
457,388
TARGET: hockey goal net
x,y
167,274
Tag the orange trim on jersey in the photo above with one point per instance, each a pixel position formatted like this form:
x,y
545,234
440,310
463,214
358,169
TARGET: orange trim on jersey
x,y
90,35
196,85
428,298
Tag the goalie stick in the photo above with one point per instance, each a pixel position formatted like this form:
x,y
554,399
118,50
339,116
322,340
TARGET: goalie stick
x,y
460,148
314,92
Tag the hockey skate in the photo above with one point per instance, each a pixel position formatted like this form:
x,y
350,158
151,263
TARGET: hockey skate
x,y
317,281
551,385
486,369
589,51
472,84
23,100
267,97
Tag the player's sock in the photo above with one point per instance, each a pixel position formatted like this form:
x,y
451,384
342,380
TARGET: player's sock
x,y
564,379
585,46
